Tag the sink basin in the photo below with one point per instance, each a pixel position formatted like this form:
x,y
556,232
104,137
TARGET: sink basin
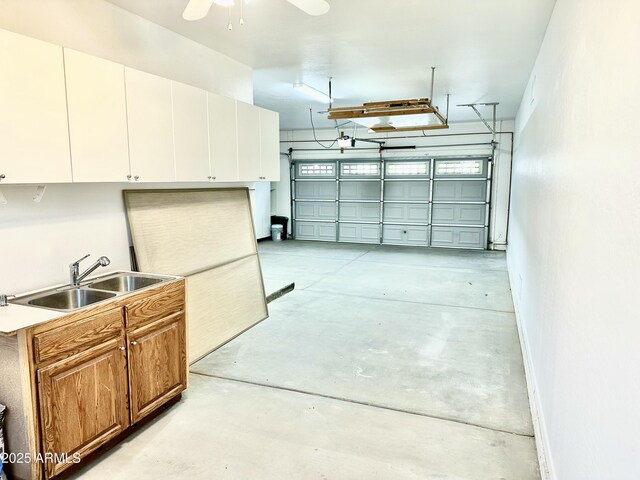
x,y
71,299
125,283
68,299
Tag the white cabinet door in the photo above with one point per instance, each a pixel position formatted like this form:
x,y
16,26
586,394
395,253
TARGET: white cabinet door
x,y
248,142
269,145
97,118
150,127
223,138
190,133
261,205
34,134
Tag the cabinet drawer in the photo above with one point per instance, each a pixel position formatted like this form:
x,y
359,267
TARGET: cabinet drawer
x,y
70,339
155,307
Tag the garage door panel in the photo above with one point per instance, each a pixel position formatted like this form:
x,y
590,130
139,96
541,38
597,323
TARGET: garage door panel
x,y
316,190
406,213
471,238
472,214
406,235
316,231
458,237
442,236
365,212
360,191
305,210
416,191
393,234
417,235
444,214
473,191
359,233
460,190
458,214
315,211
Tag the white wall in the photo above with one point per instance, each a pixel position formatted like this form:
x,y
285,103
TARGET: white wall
x,y
39,240
574,257
440,143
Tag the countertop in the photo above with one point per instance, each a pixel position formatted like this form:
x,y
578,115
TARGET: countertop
x,y
16,317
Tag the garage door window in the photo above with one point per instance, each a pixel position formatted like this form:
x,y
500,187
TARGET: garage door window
x,y
408,169
317,170
459,167
360,169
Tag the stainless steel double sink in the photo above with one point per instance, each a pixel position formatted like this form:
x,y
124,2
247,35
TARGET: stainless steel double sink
x,y
68,299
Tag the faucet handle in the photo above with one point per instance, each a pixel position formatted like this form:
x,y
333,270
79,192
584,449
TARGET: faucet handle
x,y
4,299
77,262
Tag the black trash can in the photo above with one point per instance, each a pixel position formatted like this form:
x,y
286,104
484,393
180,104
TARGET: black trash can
x,y
284,221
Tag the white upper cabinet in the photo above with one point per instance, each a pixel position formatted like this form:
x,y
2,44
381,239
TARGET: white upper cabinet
x,y
97,118
248,142
111,123
190,133
223,138
269,145
34,136
150,122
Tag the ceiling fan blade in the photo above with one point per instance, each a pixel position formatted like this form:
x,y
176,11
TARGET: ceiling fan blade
x,y
197,9
312,7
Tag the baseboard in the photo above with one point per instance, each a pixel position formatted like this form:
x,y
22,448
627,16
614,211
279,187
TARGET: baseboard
x,y
537,416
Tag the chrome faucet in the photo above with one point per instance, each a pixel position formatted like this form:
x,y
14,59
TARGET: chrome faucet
x,y
75,277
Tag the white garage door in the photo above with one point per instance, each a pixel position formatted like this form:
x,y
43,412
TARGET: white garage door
x,y
440,202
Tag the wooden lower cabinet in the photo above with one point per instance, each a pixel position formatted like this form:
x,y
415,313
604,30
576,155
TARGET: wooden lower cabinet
x,y
157,364
133,361
83,403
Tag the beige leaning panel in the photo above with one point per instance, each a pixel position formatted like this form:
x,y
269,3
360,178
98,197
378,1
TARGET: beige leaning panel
x,y
180,232
208,237
222,303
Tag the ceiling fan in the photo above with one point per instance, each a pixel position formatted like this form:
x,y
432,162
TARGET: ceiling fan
x,y
197,9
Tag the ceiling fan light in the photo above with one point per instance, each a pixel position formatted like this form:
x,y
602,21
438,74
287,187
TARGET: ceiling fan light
x,y
196,9
312,7
312,92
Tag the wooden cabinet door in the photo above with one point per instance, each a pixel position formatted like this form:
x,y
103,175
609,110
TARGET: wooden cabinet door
x,y
97,118
83,402
269,145
190,133
248,142
34,135
223,138
150,127
157,364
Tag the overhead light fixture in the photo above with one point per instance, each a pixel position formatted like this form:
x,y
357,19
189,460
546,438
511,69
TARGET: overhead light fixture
x,y
197,9
312,92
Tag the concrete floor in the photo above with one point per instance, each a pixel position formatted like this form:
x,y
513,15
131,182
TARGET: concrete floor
x,y
384,362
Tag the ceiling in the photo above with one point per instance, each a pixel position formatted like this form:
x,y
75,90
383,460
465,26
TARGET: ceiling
x,y
375,50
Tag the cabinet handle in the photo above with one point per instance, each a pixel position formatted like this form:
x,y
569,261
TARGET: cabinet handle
x,y
134,343
128,177
213,178
136,178
2,176
121,348
209,177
